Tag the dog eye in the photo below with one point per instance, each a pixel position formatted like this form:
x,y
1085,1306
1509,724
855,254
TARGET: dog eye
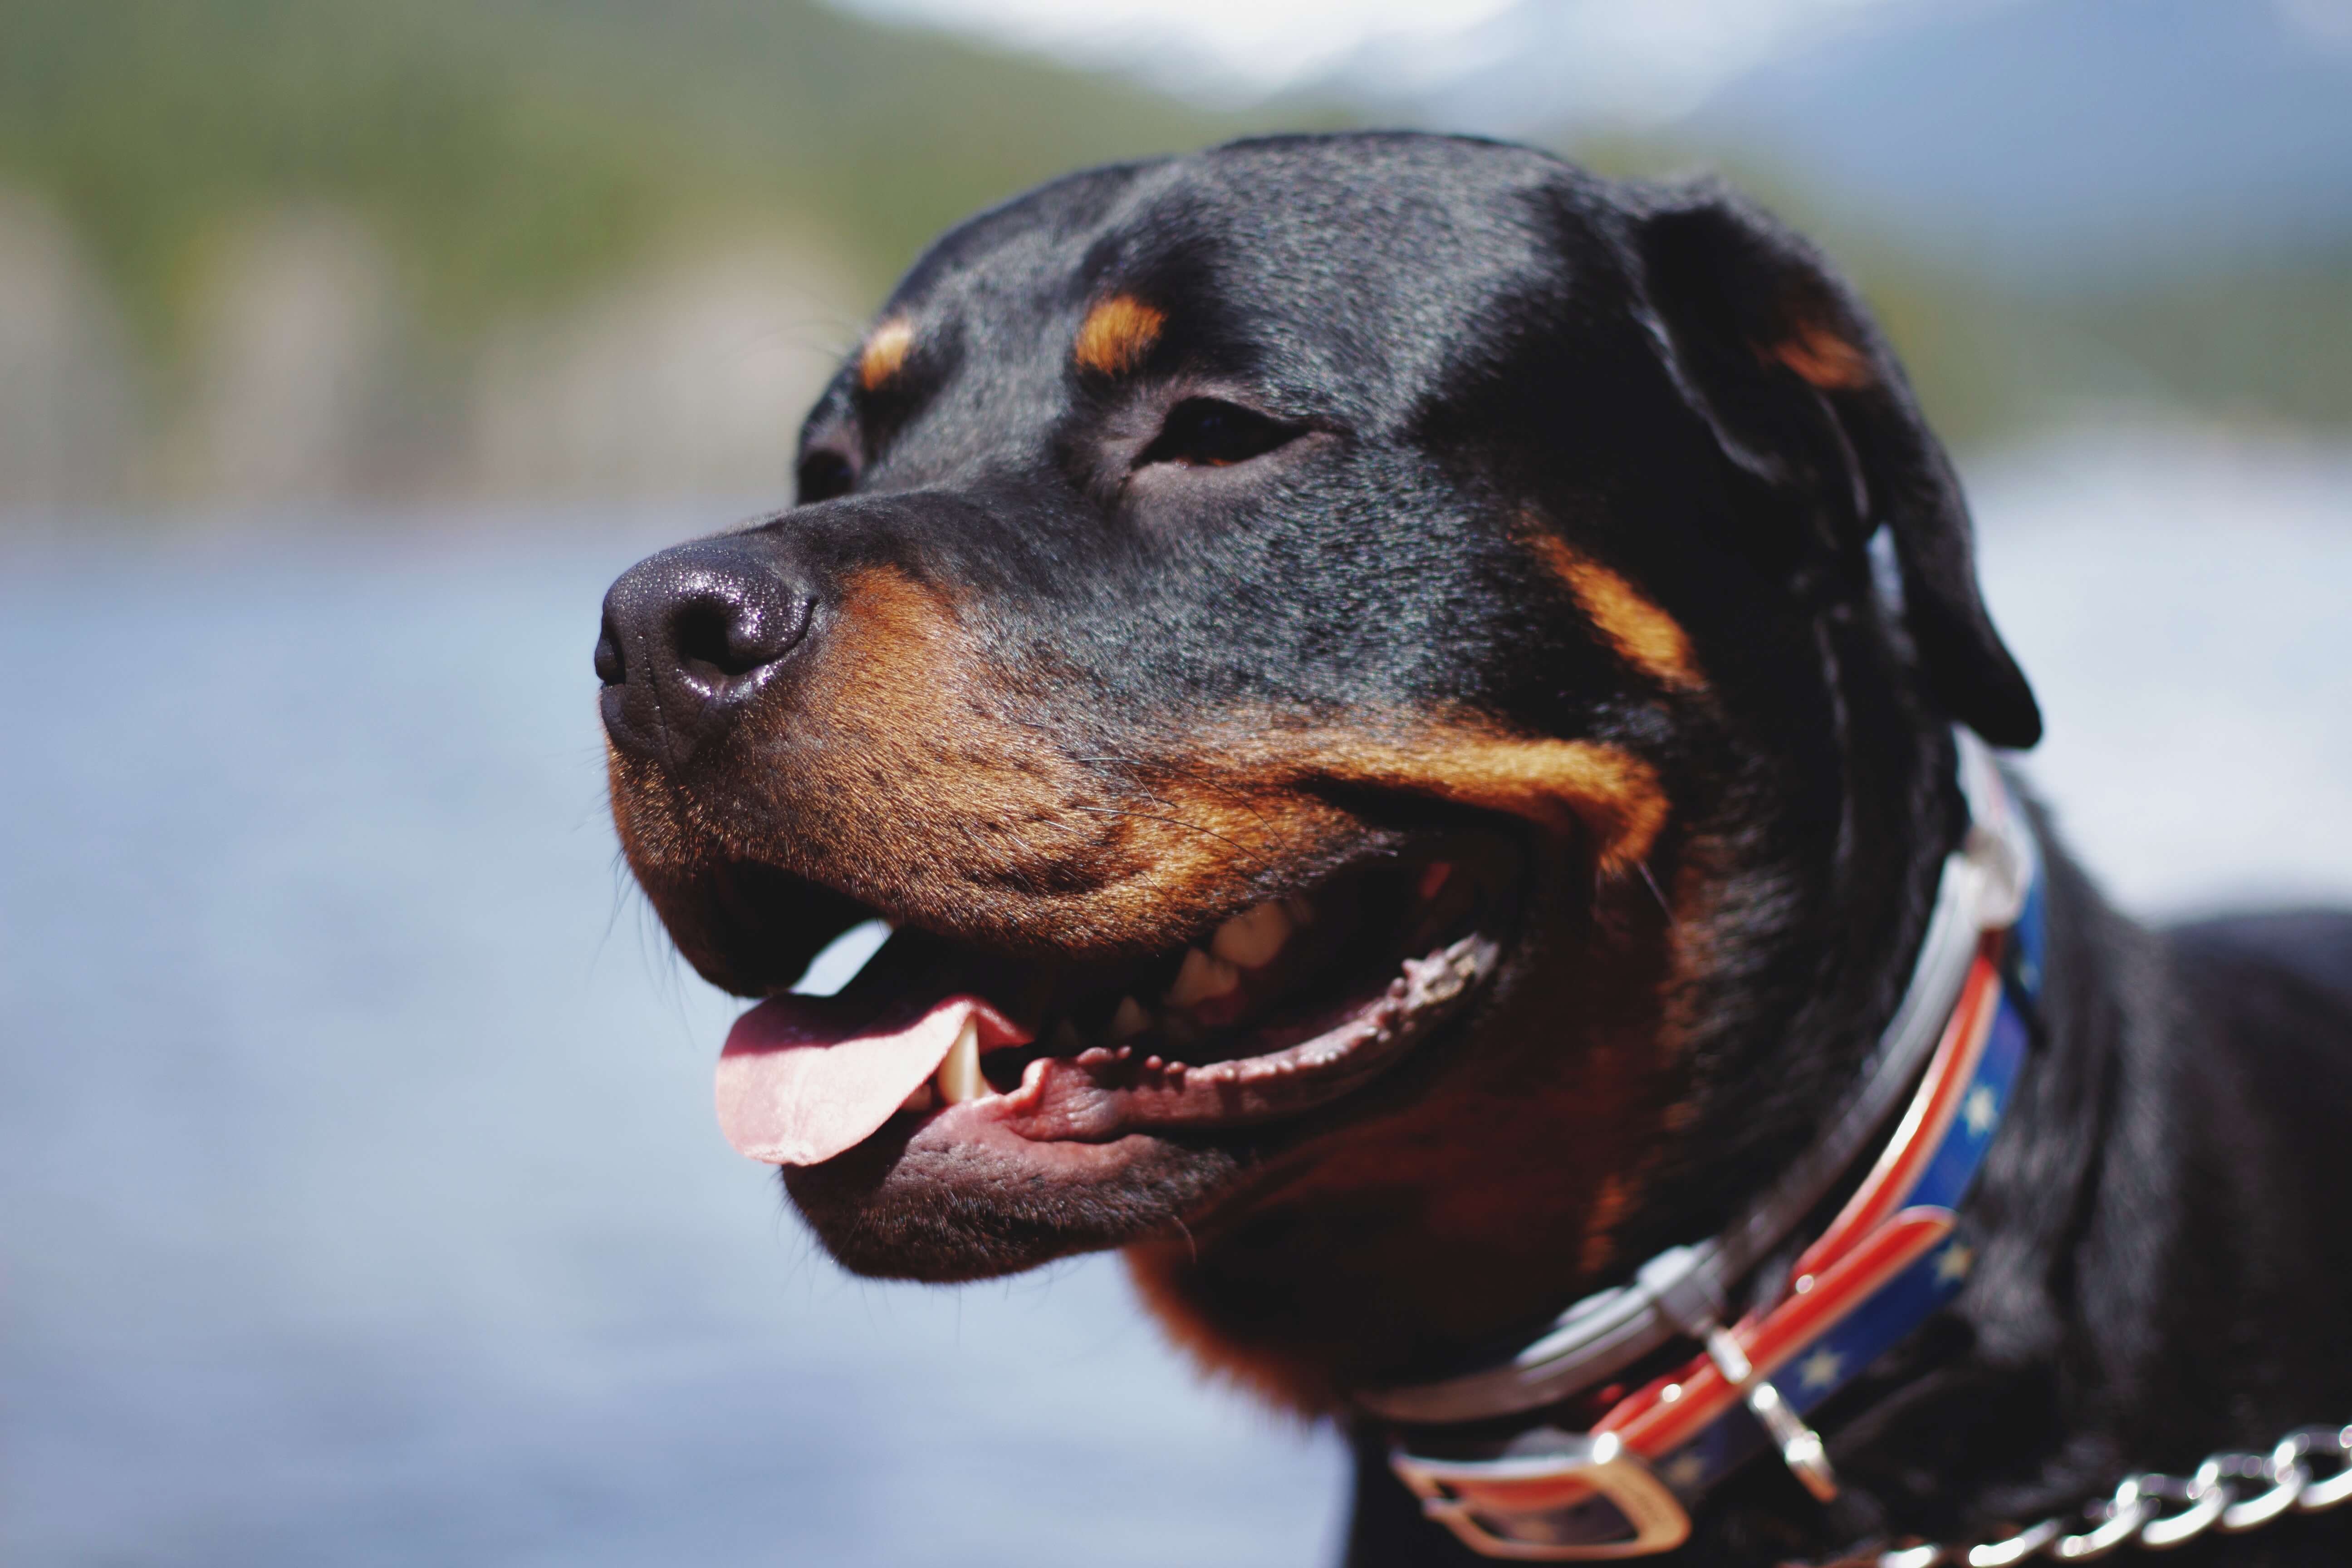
x,y
1207,433
824,475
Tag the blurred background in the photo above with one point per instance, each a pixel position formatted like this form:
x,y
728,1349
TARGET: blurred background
x,y
362,1199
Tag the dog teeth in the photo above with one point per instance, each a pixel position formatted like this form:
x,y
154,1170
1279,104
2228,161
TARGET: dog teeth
x,y
1130,1019
1251,939
1202,979
1066,1040
958,1077
921,1098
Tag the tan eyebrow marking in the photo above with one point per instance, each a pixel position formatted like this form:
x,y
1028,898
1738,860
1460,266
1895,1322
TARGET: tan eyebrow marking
x,y
1116,334
1645,636
885,352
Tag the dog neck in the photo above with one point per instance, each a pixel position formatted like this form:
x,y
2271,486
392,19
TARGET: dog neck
x,y
1332,1277
1493,1462
1986,888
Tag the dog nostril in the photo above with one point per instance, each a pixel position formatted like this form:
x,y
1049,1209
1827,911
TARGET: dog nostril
x,y
703,635
729,637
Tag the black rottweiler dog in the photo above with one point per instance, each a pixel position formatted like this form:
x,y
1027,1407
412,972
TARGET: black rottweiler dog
x,y
1413,712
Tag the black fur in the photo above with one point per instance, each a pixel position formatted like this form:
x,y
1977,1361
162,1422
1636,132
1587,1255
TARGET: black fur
x,y
1453,347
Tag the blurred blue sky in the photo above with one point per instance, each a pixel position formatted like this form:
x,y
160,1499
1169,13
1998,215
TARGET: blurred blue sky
x,y
2035,133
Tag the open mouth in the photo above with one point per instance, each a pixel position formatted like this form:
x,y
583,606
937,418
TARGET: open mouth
x,y
1265,1015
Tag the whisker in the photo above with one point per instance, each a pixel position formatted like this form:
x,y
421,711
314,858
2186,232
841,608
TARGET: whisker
x,y
1651,883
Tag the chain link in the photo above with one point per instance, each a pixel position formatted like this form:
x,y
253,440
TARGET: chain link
x,y
2309,1471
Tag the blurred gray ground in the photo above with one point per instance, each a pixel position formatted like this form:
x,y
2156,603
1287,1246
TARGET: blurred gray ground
x,y
364,1204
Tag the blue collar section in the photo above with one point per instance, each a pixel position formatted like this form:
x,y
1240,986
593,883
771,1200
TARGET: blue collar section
x,y
1846,1345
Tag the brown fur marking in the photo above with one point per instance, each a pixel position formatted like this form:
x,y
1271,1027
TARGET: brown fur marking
x,y
1610,793
886,351
1610,1207
1117,334
1823,357
1646,636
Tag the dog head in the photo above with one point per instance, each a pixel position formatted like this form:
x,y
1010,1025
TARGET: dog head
x,y
1358,670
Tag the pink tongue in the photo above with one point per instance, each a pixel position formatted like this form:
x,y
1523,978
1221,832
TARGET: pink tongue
x,y
796,1087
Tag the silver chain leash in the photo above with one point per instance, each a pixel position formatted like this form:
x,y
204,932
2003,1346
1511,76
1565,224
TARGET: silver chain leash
x,y
2160,1511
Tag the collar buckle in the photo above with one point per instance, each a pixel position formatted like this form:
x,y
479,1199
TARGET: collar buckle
x,y
1800,1447
1548,1496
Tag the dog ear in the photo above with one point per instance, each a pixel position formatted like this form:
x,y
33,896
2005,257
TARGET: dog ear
x,y
1777,354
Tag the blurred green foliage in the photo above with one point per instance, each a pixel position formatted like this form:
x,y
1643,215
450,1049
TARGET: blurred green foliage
x,y
509,151
505,149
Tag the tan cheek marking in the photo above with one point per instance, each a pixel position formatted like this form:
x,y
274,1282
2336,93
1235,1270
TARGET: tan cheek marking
x,y
1611,795
886,351
907,702
1116,334
1823,357
1642,633
933,796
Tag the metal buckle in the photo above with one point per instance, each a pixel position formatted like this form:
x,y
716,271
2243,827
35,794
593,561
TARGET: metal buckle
x,y
1800,1447
1539,1499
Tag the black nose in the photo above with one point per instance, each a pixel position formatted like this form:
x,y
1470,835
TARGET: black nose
x,y
689,637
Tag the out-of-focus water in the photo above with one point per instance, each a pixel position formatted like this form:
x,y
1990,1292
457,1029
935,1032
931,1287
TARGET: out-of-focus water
x,y
362,1201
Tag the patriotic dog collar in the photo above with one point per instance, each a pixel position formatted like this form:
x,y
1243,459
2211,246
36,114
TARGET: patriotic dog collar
x,y
1892,1256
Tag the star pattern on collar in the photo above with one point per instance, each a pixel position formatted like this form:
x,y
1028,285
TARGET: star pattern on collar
x,y
1685,1471
1821,1368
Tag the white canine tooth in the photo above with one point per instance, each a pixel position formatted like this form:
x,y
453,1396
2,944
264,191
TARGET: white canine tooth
x,y
958,1077
1202,979
1129,1019
1252,938
920,1099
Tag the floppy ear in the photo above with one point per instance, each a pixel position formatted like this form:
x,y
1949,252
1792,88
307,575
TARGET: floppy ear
x,y
1776,351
